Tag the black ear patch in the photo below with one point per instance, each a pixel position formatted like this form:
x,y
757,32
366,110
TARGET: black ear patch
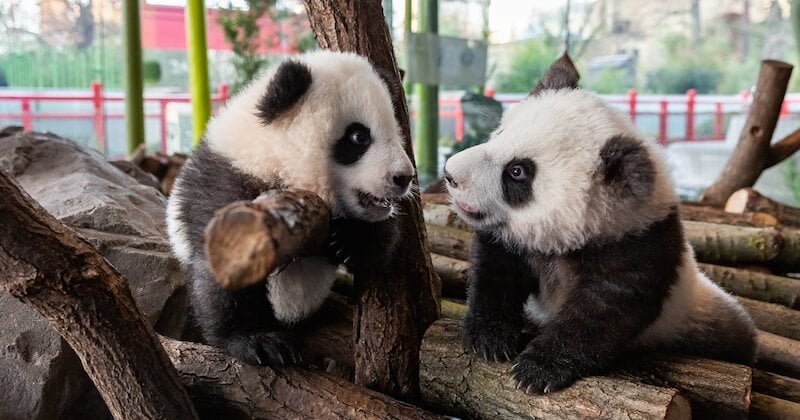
x,y
517,180
562,74
290,82
626,168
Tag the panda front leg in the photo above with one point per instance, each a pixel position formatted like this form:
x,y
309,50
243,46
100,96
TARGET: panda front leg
x,y
499,285
241,322
594,326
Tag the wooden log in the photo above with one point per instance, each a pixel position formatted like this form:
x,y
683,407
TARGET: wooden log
x,y
755,285
400,301
708,214
442,215
46,265
768,407
453,273
773,318
775,385
229,388
449,241
749,200
778,354
455,381
784,148
246,241
751,155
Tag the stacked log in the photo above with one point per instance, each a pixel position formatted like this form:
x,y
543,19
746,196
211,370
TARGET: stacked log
x,y
745,253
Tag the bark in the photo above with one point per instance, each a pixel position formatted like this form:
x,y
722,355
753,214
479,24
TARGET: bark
x,y
778,354
453,274
751,155
456,382
750,200
701,213
784,148
397,304
229,388
246,241
773,318
768,407
775,385
46,265
755,285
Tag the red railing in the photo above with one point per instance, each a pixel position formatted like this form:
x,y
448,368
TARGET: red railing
x,y
98,98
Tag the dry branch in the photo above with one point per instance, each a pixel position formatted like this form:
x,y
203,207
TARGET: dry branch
x,y
229,388
751,155
246,241
46,265
755,285
777,386
703,213
784,148
398,304
750,200
453,380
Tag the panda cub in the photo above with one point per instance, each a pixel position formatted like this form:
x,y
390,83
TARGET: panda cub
x,y
323,122
577,227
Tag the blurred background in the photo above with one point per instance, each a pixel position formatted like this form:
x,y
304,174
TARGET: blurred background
x,y
682,70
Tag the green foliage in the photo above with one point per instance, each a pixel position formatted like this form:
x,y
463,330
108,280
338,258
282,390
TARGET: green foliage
x,y
151,72
792,175
241,30
45,67
610,81
678,78
529,61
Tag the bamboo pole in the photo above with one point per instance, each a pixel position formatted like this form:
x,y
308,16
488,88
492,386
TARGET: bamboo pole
x,y
198,66
134,91
427,133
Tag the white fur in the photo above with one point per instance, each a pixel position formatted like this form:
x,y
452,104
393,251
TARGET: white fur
x,y
536,312
299,290
563,132
296,148
178,237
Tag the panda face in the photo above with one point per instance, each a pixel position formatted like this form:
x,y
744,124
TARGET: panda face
x,y
324,122
562,168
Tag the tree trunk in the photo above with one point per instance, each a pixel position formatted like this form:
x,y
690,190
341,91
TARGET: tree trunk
x,y
773,318
396,305
229,388
778,354
751,155
246,241
750,200
46,265
456,382
754,285
775,385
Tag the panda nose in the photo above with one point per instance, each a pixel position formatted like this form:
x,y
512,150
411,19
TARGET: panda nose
x,y
450,180
401,181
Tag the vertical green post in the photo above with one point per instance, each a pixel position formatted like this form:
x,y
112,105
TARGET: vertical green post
x,y
134,92
388,16
427,132
406,39
198,66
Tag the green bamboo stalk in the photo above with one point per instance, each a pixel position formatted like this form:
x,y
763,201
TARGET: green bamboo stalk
x,y
198,67
427,132
406,39
134,92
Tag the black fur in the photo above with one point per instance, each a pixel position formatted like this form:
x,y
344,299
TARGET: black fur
x,y
562,74
290,82
626,168
612,290
353,144
518,192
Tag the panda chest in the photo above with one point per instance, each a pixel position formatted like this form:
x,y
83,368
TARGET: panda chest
x,y
553,284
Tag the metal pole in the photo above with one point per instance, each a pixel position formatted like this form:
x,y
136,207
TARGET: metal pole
x,y
134,92
427,132
198,67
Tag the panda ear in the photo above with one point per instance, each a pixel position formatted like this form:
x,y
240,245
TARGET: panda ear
x,y
289,83
562,74
626,169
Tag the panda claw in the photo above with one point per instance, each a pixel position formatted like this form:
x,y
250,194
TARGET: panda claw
x,y
529,389
346,260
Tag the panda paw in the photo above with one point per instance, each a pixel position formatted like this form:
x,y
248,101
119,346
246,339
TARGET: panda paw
x,y
534,372
273,348
494,343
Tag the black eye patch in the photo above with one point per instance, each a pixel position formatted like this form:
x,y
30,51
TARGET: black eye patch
x,y
350,147
517,180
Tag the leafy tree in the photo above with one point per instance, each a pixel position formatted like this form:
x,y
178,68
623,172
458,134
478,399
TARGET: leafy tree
x,y
529,61
610,80
241,30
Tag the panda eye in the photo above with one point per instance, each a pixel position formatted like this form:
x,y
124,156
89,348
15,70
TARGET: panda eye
x,y
359,137
518,172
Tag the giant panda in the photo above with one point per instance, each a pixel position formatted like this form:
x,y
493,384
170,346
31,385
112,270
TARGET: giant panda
x,y
324,122
577,232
